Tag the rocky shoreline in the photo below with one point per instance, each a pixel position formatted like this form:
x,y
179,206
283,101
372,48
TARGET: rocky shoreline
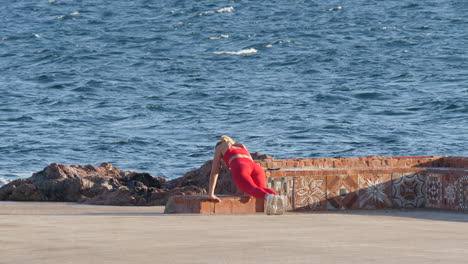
x,y
108,185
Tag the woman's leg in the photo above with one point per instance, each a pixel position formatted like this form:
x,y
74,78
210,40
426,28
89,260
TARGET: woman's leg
x,y
259,178
241,173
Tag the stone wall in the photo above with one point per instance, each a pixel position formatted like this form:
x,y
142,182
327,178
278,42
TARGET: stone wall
x,y
371,182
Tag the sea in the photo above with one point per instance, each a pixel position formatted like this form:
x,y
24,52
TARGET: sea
x,y
150,86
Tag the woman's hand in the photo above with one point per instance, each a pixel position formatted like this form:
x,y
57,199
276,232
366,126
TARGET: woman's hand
x,y
246,197
214,198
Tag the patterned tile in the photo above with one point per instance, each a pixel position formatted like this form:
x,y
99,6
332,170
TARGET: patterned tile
x,y
283,186
433,190
463,194
408,190
342,192
375,191
310,193
450,192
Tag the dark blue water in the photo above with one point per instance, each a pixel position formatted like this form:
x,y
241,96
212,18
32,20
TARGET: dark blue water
x,y
151,85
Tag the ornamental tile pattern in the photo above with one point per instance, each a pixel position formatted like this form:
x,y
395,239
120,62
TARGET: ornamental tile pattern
x,y
283,186
433,190
375,191
342,192
450,192
463,193
310,193
408,190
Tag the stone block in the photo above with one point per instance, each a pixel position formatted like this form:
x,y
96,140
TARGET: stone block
x,y
198,204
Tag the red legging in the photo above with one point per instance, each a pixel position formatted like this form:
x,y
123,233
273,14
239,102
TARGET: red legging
x,y
250,178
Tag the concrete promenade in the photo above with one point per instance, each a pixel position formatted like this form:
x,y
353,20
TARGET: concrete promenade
x,y
74,233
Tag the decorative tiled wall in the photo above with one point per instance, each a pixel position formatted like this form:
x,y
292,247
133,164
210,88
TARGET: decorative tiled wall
x,y
342,192
375,191
463,194
408,190
450,192
371,182
310,193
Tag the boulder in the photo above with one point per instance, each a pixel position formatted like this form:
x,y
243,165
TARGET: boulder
x,y
26,192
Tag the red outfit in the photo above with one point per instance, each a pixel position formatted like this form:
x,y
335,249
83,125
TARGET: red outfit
x,y
248,175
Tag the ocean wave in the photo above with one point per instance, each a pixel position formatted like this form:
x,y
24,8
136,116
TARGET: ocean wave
x,y
338,8
290,41
240,52
220,37
287,41
221,10
4,181
72,14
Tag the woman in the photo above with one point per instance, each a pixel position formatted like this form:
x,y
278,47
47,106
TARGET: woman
x,y
248,175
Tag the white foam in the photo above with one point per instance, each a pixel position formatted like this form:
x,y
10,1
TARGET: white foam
x,y
334,9
225,10
240,52
37,35
206,13
74,13
51,1
4,181
178,25
221,10
177,12
290,41
220,37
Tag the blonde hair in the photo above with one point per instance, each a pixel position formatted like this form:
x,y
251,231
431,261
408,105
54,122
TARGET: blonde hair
x,y
226,139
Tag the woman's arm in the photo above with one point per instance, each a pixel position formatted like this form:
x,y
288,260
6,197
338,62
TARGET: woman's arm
x,y
214,175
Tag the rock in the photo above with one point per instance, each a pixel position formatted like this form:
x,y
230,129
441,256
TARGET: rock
x,y
103,185
147,179
58,182
26,192
122,197
200,178
7,190
161,197
258,156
